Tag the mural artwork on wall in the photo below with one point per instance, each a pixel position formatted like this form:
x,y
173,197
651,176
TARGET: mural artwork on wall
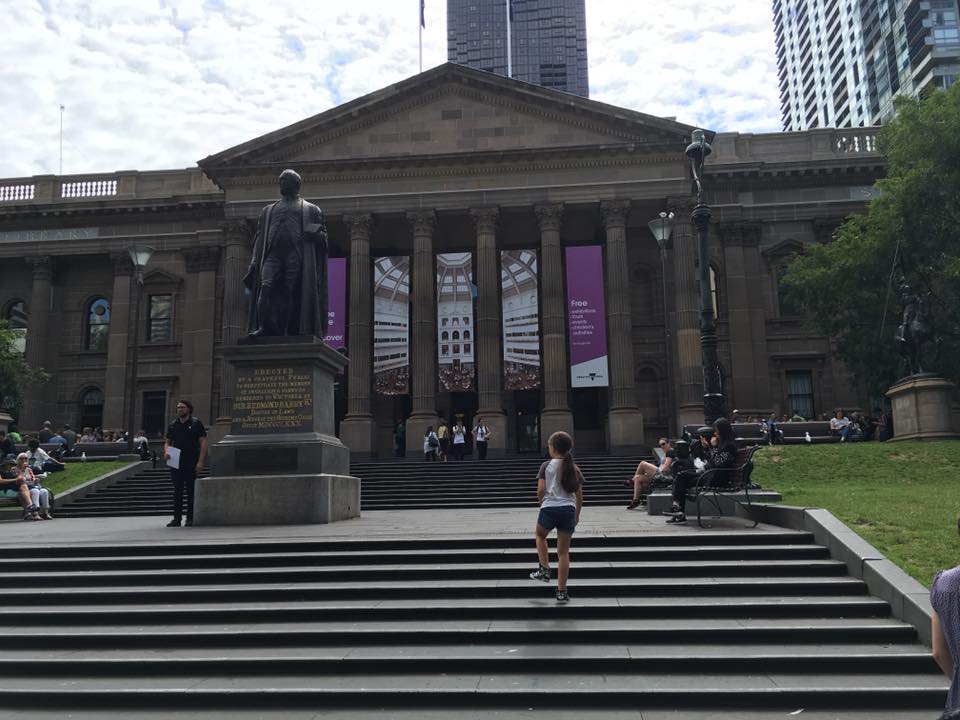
x,y
391,325
521,319
455,329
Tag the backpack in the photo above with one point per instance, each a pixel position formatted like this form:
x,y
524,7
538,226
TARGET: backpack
x,y
432,441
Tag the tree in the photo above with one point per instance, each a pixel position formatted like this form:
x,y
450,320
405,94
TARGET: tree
x,y
911,231
16,374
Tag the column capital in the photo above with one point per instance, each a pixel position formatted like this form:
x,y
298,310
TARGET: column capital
x,y
681,206
485,219
549,216
423,221
42,266
237,231
199,259
614,213
359,224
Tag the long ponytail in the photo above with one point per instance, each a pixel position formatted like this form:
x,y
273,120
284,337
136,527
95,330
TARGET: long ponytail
x,y
562,443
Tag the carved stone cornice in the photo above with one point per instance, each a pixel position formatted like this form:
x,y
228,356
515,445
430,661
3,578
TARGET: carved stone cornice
x,y
237,231
359,224
423,222
42,266
744,234
485,220
201,259
549,217
614,213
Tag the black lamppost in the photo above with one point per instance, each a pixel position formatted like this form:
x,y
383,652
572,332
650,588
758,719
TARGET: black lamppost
x,y
139,255
714,405
662,228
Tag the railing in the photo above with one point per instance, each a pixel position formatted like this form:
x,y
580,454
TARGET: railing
x,y
88,188
13,193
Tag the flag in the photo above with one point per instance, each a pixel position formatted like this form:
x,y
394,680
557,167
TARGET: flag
x,y
423,19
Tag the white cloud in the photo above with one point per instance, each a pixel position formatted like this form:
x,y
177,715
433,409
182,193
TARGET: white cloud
x,y
151,84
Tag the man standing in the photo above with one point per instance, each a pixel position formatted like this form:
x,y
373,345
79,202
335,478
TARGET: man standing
x,y
189,436
70,436
481,433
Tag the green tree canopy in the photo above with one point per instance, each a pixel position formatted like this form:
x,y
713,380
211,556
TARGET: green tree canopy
x,y
16,374
842,287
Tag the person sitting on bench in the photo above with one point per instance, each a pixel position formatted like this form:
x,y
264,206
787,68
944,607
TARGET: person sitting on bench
x,y
642,479
10,484
720,451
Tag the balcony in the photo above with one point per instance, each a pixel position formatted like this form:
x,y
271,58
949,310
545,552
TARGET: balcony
x,y
130,185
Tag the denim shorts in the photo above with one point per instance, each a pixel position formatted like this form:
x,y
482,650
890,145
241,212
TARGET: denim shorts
x,y
561,517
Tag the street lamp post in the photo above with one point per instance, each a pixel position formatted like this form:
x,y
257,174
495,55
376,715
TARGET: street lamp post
x,y
662,228
140,255
713,401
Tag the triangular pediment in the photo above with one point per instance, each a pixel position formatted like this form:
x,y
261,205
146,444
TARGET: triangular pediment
x,y
448,111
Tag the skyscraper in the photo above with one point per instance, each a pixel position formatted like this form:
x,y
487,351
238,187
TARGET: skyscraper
x,y
547,40
841,63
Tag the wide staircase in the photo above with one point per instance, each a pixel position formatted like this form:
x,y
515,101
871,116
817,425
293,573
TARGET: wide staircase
x,y
717,624
509,482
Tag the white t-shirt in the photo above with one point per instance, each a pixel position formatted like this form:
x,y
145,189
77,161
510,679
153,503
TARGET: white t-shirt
x,y
839,423
554,495
481,433
458,433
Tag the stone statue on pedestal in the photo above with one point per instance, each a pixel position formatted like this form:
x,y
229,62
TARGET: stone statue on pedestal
x,y
914,330
288,270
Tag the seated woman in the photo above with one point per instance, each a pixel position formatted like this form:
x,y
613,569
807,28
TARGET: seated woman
x,y
39,496
40,461
720,451
11,487
643,478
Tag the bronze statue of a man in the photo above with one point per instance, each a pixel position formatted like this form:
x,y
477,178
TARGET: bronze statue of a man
x,y
288,270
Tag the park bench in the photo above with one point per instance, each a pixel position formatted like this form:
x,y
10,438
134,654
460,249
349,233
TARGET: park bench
x,y
732,483
745,433
794,433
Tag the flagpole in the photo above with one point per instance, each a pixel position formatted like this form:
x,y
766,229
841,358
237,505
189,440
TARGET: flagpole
x,y
61,139
421,35
509,50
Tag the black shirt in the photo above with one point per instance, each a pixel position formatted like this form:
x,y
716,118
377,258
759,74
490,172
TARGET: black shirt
x,y
7,447
185,436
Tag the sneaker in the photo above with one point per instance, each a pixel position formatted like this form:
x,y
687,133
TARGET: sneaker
x,y
633,504
174,523
678,518
563,596
541,573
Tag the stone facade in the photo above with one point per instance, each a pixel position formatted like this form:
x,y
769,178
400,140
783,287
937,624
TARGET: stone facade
x,y
452,160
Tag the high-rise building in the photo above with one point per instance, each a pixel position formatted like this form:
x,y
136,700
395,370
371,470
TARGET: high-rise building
x,y
841,62
547,40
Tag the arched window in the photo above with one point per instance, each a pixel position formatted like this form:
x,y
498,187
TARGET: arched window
x,y
98,324
456,334
444,335
466,334
18,316
91,408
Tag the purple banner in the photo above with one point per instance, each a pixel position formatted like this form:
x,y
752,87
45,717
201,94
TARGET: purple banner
x,y
586,317
336,336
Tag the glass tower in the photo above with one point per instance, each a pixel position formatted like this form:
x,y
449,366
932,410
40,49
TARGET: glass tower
x,y
841,62
548,40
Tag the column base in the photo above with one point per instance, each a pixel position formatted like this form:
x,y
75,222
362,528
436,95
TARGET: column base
x,y
626,431
496,420
417,425
358,433
552,421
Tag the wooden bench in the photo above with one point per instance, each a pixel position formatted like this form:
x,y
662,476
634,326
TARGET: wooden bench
x,y
731,483
746,433
796,432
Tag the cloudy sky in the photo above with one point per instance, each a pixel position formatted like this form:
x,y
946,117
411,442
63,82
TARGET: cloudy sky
x,y
150,84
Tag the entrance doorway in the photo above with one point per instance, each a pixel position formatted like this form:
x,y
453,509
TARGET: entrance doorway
x,y
526,404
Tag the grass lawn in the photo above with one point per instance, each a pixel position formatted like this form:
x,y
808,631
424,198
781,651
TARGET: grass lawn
x,y
77,474
903,498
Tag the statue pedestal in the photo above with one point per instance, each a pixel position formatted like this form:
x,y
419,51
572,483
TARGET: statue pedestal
x,y
922,408
280,463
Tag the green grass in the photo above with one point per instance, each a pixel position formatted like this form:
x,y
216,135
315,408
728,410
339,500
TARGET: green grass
x,y
77,474
902,498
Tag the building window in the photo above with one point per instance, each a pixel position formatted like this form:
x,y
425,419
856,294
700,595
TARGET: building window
x,y
154,413
800,393
17,316
98,324
160,323
91,408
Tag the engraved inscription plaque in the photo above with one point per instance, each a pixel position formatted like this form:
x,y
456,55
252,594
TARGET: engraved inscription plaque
x,y
271,400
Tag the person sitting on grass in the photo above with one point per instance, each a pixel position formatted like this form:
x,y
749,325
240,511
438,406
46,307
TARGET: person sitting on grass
x,y
642,479
40,461
720,452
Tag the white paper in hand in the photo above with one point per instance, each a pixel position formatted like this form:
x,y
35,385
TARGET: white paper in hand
x,y
174,460
699,464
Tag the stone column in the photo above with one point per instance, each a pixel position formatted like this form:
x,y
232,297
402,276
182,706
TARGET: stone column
x,y
38,340
358,428
687,356
626,421
118,342
423,345
489,328
196,363
749,374
556,413
237,236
